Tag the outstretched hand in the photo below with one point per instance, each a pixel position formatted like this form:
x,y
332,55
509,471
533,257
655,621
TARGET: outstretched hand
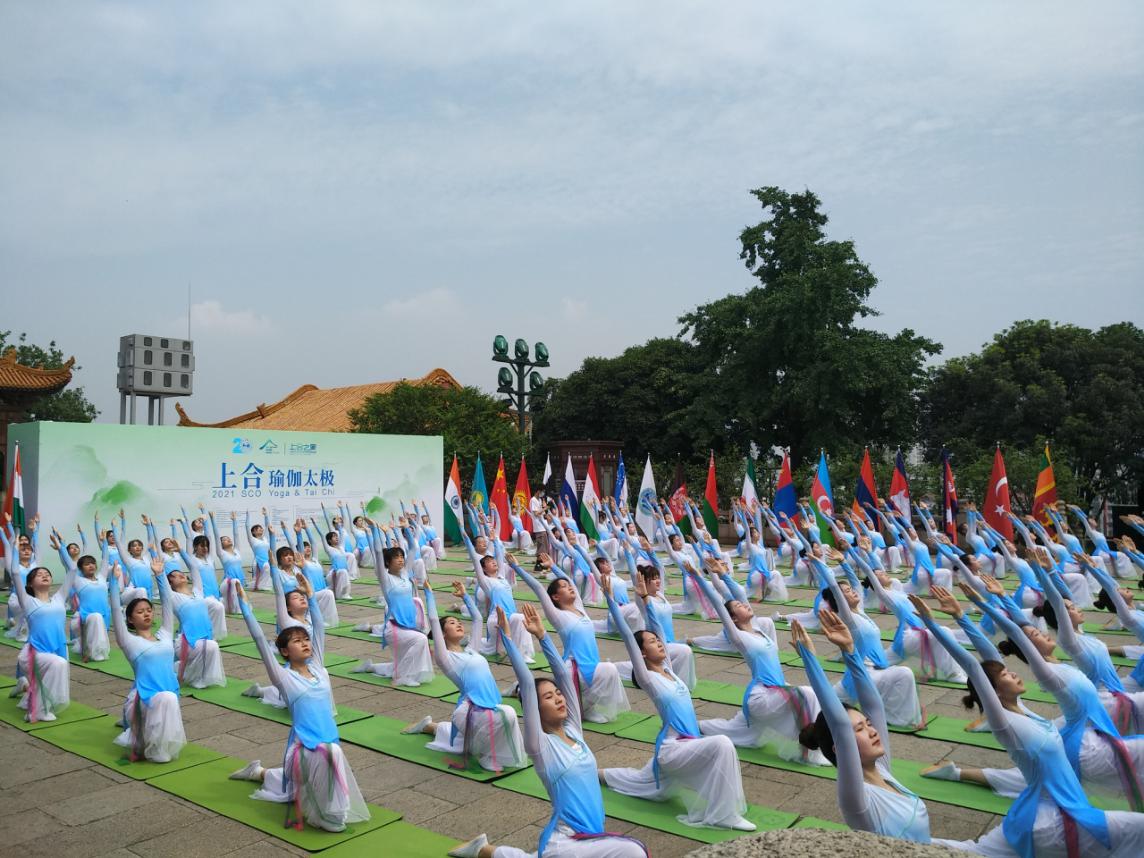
x,y
532,622
923,610
946,601
992,585
835,631
799,637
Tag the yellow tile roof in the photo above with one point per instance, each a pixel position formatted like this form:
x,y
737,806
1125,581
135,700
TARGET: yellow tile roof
x,y
314,409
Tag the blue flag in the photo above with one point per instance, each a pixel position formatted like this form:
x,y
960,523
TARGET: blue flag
x,y
479,495
621,490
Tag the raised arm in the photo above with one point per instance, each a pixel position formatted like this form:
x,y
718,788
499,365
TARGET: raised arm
x,y
273,668
1050,680
1066,633
851,789
529,704
639,668
551,612
1129,618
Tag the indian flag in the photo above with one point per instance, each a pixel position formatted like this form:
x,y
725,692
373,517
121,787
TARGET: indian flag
x,y
454,522
590,502
14,502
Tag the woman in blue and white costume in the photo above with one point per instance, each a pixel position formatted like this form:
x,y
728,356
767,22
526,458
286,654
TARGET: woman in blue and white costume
x,y
482,726
136,568
1089,653
200,660
257,539
168,547
1052,817
991,564
702,770
362,551
151,711
600,693
656,613
226,550
339,574
21,556
1079,584
45,676
200,566
762,577
1106,762
602,566
869,796
315,777
291,608
347,541
913,645
521,538
89,624
107,540
1131,618
498,594
772,711
412,664
306,559
895,682
553,739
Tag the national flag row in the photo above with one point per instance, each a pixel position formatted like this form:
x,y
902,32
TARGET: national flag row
x,y
996,506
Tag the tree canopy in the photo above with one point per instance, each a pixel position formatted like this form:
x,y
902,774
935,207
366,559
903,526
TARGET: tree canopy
x,y
785,363
68,405
470,421
1082,390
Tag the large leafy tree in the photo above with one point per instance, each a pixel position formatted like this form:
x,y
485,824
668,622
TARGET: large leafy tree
x,y
786,362
644,398
470,422
68,405
1081,389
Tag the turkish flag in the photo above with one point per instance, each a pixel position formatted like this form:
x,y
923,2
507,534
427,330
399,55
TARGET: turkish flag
x,y
997,510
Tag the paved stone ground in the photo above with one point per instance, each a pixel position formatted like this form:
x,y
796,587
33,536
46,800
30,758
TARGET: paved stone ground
x,y
53,802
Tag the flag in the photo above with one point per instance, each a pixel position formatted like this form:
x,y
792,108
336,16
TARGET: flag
x,y
620,492
14,502
949,497
1044,495
710,505
900,487
568,491
866,492
823,498
499,500
479,495
522,496
455,521
750,484
997,498
547,471
786,499
677,500
646,502
590,502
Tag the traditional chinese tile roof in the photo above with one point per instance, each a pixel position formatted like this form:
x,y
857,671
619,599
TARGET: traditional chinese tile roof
x,y
315,409
16,377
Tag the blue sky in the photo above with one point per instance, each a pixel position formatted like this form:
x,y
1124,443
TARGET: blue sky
x,y
357,191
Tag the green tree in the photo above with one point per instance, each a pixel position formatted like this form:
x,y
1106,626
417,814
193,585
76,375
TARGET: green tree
x,y
68,405
470,422
785,363
1081,389
644,397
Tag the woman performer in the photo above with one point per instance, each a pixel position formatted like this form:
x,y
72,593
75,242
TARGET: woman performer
x,y
43,661
703,770
151,712
481,726
412,664
200,565
772,711
601,693
315,778
290,609
88,626
1105,761
656,613
339,575
200,660
256,538
226,550
553,738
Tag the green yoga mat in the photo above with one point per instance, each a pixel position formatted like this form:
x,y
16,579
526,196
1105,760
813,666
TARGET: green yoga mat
x,y
270,618
948,729
249,649
346,630
12,642
812,822
1099,629
397,838
624,721
208,786
94,739
116,664
438,686
7,681
12,714
230,697
658,815
384,735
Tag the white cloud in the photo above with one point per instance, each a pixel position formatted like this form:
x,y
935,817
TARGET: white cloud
x,y
431,304
211,319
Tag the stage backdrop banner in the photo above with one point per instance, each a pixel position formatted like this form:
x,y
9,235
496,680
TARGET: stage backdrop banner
x,y
74,470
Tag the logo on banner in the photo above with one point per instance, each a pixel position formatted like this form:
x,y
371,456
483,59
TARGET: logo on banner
x,y
647,502
240,446
268,447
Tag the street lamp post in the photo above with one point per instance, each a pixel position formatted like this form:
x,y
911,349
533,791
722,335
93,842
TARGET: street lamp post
x,y
518,395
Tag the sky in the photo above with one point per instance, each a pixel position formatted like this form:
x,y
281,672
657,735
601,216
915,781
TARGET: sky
x,y
344,192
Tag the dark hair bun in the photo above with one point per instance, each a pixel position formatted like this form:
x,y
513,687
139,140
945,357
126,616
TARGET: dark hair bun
x,y
1006,647
807,737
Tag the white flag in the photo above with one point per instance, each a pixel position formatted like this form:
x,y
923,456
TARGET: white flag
x,y
547,470
647,502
